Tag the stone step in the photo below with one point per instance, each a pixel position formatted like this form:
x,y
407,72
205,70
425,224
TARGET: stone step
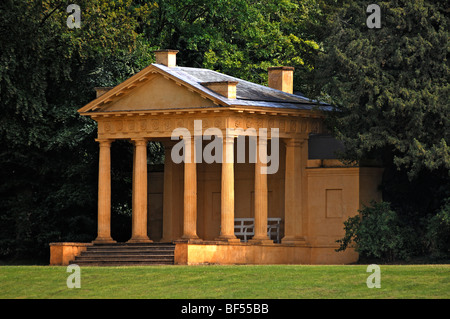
x,y
127,254
129,257
122,263
135,246
93,248
131,247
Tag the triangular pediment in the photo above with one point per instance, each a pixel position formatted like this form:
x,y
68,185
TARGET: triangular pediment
x,y
151,89
158,93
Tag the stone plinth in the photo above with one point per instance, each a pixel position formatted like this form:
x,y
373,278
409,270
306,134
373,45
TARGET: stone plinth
x,y
62,253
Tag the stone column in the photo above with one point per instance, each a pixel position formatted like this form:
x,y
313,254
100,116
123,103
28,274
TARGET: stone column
x,y
261,195
104,193
294,194
139,218
167,194
190,193
227,192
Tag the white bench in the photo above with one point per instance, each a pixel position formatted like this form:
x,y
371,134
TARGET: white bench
x,y
244,228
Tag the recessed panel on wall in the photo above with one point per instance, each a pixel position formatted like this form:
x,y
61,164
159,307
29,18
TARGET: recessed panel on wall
x,y
334,205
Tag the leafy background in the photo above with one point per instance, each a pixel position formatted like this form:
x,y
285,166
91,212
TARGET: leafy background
x,y
389,85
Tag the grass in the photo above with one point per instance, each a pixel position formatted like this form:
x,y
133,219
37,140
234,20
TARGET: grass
x,y
227,282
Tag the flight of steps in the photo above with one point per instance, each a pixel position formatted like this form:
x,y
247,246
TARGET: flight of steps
x,y
126,254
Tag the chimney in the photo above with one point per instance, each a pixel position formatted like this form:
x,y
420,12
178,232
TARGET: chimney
x,y
102,90
281,78
166,57
225,88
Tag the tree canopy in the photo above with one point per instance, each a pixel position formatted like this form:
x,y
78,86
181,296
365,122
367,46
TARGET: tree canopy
x,y
48,153
390,85
390,88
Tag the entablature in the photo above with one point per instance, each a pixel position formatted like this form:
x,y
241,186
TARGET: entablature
x,y
240,121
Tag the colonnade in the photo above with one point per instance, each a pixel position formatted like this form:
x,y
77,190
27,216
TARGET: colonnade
x,y
295,193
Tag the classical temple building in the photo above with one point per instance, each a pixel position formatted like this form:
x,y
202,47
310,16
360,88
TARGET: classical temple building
x,y
249,173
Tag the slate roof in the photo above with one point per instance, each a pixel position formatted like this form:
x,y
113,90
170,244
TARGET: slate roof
x,y
247,93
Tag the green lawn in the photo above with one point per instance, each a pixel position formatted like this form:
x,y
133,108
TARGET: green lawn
x,y
191,282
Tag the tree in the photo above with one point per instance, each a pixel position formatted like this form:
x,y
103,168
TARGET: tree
x,y
390,85
48,154
237,37
390,90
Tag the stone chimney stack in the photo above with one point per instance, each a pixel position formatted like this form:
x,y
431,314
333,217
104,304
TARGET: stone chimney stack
x,y
225,88
166,57
281,78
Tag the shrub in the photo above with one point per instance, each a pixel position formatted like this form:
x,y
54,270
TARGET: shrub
x,y
377,232
438,232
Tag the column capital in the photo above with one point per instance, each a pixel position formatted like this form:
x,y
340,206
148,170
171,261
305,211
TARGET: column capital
x,y
294,142
262,143
140,141
229,139
227,149
104,141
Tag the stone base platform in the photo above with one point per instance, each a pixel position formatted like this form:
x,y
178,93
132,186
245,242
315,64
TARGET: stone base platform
x,y
259,254
63,253
223,253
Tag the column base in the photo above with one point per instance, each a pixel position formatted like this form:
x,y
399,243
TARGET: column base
x,y
104,240
228,239
261,241
188,240
139,241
